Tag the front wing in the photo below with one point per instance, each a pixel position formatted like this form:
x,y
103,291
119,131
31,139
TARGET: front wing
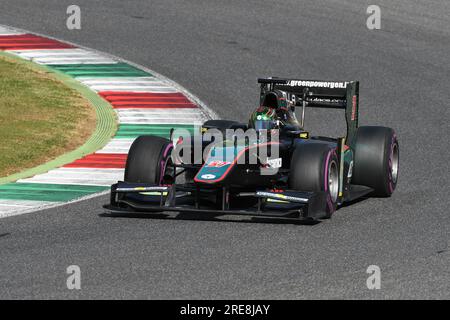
x,y
196,198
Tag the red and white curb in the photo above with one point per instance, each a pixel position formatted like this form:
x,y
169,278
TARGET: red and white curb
x,y
145,102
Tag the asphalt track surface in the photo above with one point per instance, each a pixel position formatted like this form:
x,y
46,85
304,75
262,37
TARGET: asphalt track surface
x,y
217,49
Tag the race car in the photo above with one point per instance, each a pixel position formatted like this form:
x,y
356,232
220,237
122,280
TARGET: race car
x,y
269,167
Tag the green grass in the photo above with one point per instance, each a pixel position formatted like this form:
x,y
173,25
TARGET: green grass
x,y
40,118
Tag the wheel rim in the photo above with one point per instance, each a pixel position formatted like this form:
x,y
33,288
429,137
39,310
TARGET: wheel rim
x,y
333,180
394,163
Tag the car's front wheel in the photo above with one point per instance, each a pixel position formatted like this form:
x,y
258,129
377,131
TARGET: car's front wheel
x,y
315,167
148,160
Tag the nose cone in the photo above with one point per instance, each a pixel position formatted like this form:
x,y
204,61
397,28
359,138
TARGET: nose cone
x,y
219,163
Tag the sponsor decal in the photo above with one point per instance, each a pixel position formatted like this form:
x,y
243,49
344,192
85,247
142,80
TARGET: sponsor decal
x,y
277,201
353,108
279,196
318,84
218,164
274,163
208,176
304,135
350,170
154,193
137,189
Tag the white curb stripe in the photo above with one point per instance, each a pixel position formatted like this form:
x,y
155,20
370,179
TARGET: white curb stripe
x,y
156,116
160,121
84,181
150,116
85,176
12,207
155,89
80,170
63,56
117,146
8,32
154,112
73,172
120,80
21,203
74,60
130,118
129,84
40,53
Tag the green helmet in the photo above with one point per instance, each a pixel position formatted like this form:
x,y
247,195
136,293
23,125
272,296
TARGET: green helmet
x,y
264,118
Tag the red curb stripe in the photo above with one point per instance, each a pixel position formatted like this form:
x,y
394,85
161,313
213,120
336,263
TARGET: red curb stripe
x,y
124,103
36,47
100,160
29,42
155,99
96,166
156,106
130,100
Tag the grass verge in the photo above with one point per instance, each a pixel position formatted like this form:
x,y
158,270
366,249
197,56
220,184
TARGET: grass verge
x,y
40,117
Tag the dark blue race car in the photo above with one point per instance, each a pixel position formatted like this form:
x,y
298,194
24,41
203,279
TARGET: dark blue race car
x,y
270,166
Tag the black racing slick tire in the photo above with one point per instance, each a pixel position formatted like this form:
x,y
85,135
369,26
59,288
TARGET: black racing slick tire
x,y
147,160
315,167
376,159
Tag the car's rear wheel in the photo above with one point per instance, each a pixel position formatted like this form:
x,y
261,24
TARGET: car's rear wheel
x,y
148,160
376,160
315,167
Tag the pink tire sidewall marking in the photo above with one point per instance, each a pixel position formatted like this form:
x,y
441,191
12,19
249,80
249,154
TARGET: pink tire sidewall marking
x,y
163,163
391,185
330,204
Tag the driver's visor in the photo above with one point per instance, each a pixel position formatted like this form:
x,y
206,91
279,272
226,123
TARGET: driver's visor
x,y
263,124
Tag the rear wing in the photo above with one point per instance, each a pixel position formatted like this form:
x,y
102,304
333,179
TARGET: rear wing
x,y
322,94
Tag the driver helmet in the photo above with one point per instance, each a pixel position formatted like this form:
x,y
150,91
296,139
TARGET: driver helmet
x,y
264,118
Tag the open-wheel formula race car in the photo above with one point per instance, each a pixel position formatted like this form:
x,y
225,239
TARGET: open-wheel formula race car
x,y
270,167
